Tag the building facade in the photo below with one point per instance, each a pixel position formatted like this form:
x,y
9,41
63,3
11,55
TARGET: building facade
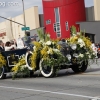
x,y
92,24
10,30
60,15
97,9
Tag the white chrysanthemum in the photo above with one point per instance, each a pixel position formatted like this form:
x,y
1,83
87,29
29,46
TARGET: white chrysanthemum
x,y
23,67
66,41
41,41
81,43
56,50
23,55
48,51
48,35
48,43
89,56
34,48
87,53
78,33
81,55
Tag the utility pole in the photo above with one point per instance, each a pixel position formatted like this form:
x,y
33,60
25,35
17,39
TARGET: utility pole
x,y
24,15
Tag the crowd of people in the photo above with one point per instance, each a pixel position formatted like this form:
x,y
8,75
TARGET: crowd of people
x,y
20,43
96,48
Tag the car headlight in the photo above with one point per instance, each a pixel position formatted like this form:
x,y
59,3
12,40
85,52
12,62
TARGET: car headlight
x,y
76,55
69,57
74,46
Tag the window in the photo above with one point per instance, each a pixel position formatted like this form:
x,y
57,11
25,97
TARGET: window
x,y
67,27
56,26
57,16
48,22
57,29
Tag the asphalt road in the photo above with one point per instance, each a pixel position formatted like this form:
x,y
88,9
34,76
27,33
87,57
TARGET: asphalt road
x,y
66,86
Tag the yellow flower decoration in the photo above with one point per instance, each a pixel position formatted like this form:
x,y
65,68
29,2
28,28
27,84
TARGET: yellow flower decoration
x,y
2,60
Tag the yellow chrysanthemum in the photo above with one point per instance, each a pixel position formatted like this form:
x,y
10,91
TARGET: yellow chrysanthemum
x,y
74,39
33,60
2,60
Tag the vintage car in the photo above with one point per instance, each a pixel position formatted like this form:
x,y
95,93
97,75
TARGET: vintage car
x,y
50,71
11,57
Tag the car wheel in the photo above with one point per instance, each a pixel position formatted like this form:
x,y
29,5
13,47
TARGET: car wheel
x,y
31,73
80,68
28,61
46,71
2,73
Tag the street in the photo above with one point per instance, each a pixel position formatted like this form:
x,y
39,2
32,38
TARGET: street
x,y
66,86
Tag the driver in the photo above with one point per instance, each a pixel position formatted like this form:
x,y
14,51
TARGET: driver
x,y
64,47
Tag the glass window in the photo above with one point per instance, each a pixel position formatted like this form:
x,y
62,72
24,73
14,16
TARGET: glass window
x,y
57,29
48,22
57,17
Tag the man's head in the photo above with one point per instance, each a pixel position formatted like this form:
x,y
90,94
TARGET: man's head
x,y
12,42
1,43
63,40
8,44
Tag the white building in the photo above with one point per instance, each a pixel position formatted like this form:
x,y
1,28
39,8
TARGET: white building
x,y
10,30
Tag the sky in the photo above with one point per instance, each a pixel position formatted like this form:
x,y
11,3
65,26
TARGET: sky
x,y
12,8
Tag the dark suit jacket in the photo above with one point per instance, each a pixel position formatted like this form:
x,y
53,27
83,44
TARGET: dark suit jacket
x,y
2,49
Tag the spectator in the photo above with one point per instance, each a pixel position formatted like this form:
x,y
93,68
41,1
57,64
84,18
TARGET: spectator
x,y
94,48
2,46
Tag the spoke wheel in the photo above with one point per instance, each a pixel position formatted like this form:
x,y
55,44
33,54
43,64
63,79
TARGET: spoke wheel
x,y
46,71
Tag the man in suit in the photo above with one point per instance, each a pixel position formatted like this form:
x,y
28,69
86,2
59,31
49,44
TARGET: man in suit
x,y
1,46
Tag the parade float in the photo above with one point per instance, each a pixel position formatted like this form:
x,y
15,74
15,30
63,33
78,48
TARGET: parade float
x,y
47,56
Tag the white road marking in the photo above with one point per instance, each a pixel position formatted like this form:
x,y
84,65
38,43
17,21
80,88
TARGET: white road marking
x,y
51,92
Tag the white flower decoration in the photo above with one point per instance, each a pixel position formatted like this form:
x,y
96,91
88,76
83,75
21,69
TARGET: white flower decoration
x,y
81,43
56,50
34,48
48,43
81,55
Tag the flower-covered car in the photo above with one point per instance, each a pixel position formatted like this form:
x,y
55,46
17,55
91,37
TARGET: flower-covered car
x,y
49,56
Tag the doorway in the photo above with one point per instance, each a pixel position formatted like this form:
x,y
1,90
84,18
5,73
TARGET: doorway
x,y
91,36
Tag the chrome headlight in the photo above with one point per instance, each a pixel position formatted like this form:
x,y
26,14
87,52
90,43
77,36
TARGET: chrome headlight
x,y
69,57
74,46
75,55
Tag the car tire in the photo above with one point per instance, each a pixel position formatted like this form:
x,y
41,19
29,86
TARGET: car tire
x,y
2,73
46,71
28,54
31,73
80,68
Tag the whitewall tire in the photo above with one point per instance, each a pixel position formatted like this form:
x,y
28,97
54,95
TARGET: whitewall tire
x,y
2,71
46,71
29,53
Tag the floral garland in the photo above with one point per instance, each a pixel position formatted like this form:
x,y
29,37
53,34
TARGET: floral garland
x,y
2,60
20,67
